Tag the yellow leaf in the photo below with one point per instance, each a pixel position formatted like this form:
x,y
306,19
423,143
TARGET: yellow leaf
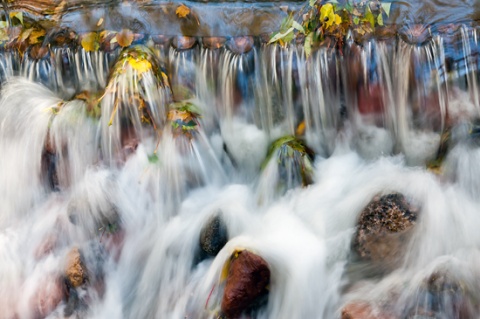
x,y
100,22
140,65
182,11
337,19
3,24
125,38
325,11
3,35
226,266
90,42
36,35
25,34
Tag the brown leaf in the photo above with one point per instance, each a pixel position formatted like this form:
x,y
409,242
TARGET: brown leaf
x,y
125,38
182,11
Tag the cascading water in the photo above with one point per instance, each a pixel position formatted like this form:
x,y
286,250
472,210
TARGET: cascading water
x,y
116,163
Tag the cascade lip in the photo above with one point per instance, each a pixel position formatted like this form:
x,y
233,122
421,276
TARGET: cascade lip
x,y
220,18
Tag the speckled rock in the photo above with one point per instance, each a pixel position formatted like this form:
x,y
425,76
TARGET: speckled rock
x,y
75,271
383,228
214,235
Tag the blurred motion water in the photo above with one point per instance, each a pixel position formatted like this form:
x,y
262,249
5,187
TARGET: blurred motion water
x,y
115,162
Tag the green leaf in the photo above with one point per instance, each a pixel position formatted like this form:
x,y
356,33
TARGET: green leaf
x,y
287,23
153,158
380,19
281,35
3,24
312,2
386,8
298,27
356,20
308,44
369,17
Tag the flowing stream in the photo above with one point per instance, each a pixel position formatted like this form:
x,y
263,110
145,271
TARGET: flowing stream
x,y
117,183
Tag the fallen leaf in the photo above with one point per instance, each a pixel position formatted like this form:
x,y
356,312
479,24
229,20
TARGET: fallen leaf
x,y
100,22
125,38
90,42
182,11
35,36
141,65
18,15
3,35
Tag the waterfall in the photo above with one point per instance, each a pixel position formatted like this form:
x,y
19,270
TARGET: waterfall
x,y
114,163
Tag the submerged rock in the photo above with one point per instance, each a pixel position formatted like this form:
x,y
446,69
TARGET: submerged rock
x,y
247,283
294,160
213,43
441,295
183,42
184,119
240,45
49,295
75,270
383,228
214,235
362,310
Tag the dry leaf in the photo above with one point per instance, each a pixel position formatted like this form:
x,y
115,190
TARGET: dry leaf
x,y
90,42
100,22
125,38
182,11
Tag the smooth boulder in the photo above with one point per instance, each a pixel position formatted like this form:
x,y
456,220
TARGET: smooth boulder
x,y
247,284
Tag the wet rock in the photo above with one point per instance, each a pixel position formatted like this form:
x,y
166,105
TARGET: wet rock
x,y
50,293
247,283
214,235
362,310
418,34
161,39
213,43
75,271
183,42
240,45
38,52
183,117
47,245
441,296
383,228
295,162
49,170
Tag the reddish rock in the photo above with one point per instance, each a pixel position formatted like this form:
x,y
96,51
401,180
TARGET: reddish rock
x,y
240,45
247,283
184,42
46,246
50,293
213,42
362,310
38,52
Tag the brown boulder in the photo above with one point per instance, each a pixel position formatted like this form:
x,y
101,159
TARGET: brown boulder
x,y
383,228
75,271
247,284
